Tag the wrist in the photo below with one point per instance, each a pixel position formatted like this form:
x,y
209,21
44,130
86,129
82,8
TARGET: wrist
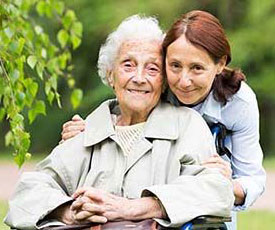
x,y
63,213
145,208
238,193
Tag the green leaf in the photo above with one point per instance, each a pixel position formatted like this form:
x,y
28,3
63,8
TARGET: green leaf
x,y
39,70
8,138
18,119
62,60
53,82
2,85
32,60
57,96
19,158
50,97
40,8
21,43
39,108
77,29
33,88
48,10
62,37
44,53
76,97
8,32
20,98
15,74
59,7
47,87
71,82
2,113
76,41
68,19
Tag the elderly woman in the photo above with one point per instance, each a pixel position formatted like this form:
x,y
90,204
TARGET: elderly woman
x,y
138,158
194,47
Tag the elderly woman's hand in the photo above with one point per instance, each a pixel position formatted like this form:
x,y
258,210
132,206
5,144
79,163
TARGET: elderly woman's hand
x,y
73,127
95,205
223,166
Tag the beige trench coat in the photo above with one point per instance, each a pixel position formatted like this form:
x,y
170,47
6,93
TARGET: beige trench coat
x,y
164,163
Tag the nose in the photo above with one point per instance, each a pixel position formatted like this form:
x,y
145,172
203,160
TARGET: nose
x,y
185,80
139,77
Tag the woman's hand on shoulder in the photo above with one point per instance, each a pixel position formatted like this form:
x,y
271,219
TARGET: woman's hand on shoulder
x,y
217,162
73,127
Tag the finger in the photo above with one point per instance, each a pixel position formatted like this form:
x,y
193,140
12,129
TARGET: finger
x,y
73,123
76,117
95,195
92,207
97,219
79,191
214,159
214,165
74,127
82,215
77,204
69,135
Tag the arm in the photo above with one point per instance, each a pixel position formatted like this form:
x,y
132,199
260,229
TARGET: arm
x,y
224,167
196,190
40,193
248,173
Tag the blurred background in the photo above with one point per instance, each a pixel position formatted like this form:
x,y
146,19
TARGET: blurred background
x,y
249,24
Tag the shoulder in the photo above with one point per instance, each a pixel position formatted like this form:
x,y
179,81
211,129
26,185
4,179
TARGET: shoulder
x,y
188,119
70,152
182,112
244,95
241,111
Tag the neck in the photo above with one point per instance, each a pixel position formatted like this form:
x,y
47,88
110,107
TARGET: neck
x,y
126,119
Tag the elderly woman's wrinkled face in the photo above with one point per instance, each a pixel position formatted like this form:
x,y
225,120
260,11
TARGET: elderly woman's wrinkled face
x,y
137,76
190,71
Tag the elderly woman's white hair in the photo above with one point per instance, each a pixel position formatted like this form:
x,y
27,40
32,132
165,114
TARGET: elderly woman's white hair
x,y
132,28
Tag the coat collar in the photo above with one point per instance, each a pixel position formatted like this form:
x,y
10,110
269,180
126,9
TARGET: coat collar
x,y
162,123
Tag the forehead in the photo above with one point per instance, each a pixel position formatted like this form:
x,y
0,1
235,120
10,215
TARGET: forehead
x,y
133,48
182,49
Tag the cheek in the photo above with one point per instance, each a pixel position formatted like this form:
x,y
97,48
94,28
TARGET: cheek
x,y
172,78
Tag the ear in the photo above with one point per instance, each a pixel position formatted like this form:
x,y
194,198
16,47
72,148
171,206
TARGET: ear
x,y
221,64
110,78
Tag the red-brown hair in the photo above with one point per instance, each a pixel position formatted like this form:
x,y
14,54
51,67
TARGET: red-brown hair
x,y
204,31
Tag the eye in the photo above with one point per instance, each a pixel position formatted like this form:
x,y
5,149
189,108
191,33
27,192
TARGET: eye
x,y
153,69
197,68
128,65
175,66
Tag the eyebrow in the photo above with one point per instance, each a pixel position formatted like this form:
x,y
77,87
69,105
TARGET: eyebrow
x,y
192,63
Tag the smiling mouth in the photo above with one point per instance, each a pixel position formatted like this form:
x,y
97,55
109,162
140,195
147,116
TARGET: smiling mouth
x,y
137,91
186,91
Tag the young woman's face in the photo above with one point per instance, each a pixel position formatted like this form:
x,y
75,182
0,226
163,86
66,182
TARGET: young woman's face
x,y
190,71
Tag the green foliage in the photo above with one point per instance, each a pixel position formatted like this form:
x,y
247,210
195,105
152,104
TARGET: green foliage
x,y
253,47
31,62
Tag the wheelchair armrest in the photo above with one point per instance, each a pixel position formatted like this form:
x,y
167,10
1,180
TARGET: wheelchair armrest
x,y
206,222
